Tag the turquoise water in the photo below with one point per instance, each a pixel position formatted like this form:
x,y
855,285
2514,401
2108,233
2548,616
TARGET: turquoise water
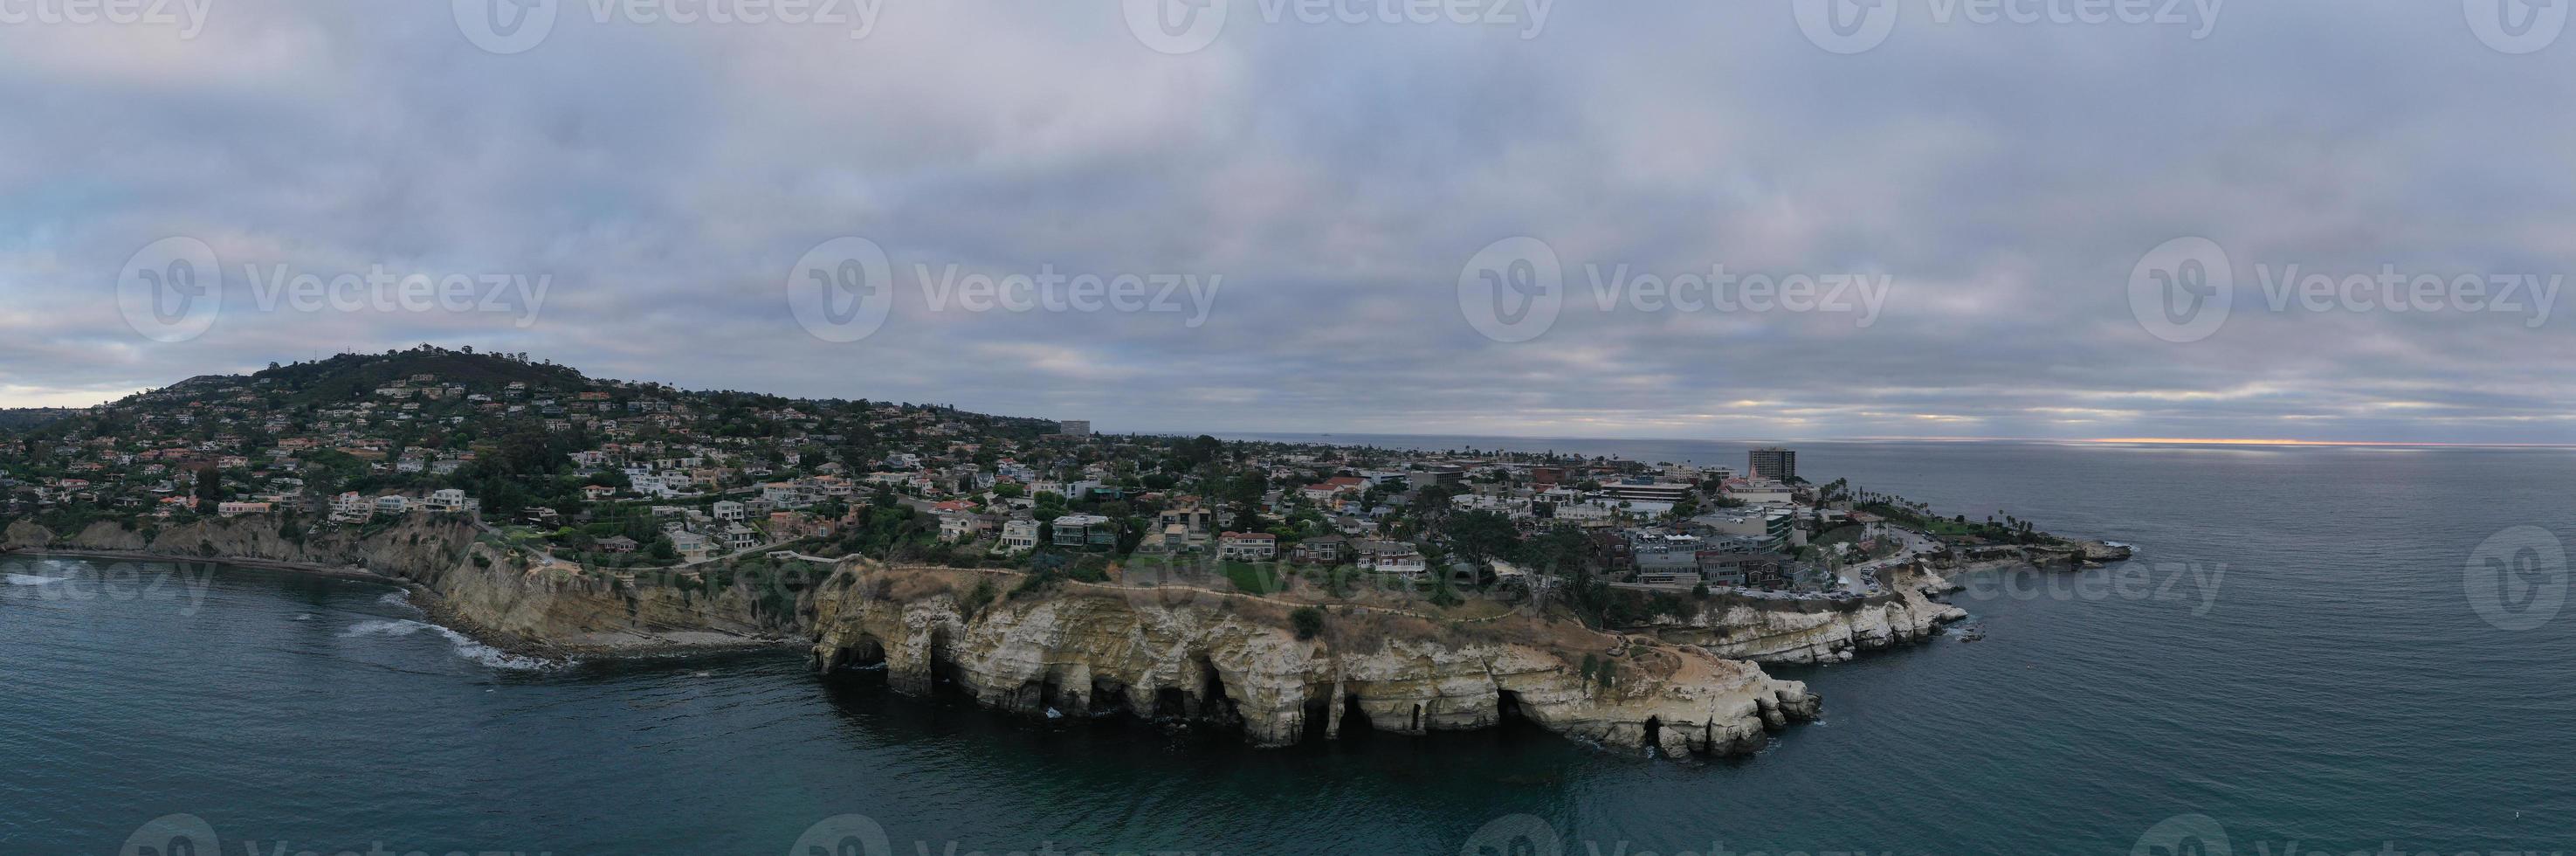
x,y
2297,655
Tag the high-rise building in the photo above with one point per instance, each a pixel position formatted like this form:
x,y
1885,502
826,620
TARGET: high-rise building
x,y
1773,463
1074,428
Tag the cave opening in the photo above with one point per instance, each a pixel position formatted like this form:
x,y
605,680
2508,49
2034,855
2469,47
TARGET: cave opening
x,y
1107,697
1508,708
1170,703
1654,733
1319,715
1214,704
1354,718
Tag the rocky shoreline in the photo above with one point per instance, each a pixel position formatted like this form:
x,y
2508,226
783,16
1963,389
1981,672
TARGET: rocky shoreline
x,y
1689,685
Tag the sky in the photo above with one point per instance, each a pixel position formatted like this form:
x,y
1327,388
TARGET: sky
x,y
2339,220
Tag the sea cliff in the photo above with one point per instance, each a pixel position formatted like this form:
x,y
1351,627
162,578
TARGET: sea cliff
x,y
1233,662
1811,631
1683,684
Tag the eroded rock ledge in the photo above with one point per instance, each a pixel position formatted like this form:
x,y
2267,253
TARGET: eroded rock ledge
x,y
1234,662
1224,661
1816,631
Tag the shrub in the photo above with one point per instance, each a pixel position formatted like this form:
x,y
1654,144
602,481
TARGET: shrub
x,y
1308,621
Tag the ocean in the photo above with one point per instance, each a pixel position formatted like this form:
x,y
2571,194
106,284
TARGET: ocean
x,y
2325,650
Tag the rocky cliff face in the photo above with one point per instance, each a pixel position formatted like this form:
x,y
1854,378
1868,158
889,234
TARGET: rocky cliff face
x,y
472,586
1218,661
1231,663
1810,632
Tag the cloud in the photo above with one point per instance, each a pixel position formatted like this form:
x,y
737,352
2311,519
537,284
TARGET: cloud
x,y
1334,180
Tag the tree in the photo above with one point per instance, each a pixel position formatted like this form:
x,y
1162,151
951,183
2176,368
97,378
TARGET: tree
x,y
1480,536
1308,621
210,486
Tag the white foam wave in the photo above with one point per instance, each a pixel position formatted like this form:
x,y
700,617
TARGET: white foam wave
x,y
397,597
32,580
465,645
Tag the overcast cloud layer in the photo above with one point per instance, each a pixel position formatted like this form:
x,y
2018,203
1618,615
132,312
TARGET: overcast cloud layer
x,y
2003,180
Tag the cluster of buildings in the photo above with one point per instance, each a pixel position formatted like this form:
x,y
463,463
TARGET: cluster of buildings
x,y
615,468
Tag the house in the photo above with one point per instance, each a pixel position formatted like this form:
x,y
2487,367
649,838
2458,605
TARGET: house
x,y
1327,550
1084,531
1019,536
1390,557
728,511
392,503
1194,520
237,509
740,537
691,546
350,507
1248,546
617,544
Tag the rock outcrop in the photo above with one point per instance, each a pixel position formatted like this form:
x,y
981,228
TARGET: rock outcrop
x,y
1816,630
541,610
1088,651
1220,661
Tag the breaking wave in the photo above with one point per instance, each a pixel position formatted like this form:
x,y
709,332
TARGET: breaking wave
x,y
465,645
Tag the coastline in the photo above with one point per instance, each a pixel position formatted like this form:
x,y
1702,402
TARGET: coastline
x,y
439,611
